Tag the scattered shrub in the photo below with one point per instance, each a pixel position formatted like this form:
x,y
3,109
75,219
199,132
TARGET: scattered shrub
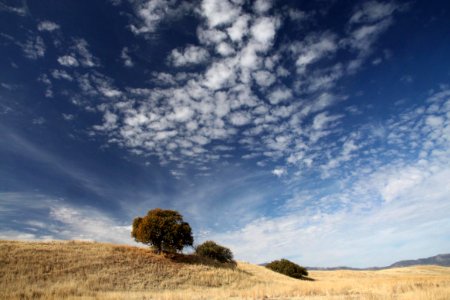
x,y
288,268
214,251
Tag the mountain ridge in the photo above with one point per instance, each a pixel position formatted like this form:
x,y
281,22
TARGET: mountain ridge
x,y
442,260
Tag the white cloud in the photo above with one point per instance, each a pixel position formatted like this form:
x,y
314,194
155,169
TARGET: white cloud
x,y
182,114
364,36
366,24
68,61
220,12
239,83
48,84
187,116
124,55
21,11
191,55
85,57
110,121
218,75
208,36
163,135
263,31
47,26
410,222
34,48
79,56
373,11
24,236
68,117
396,201
348,147
88,224
239,29
224,49
38,121
279,171
262,6
313,49
51,219
434,121
239,118
110,92
151,13
399,183
322,119
61,74
249,58
280,94
264,78
297,15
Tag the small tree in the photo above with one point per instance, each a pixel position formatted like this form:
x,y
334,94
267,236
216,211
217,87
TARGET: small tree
x,y
214,251
163,229
288,268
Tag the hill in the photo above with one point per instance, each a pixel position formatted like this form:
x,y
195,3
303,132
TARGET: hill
x,y
84,270
442,260
438,260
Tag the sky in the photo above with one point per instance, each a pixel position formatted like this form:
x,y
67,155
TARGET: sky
x,y
316,131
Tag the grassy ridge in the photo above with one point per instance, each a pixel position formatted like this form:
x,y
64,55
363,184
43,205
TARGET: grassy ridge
x,y
82,270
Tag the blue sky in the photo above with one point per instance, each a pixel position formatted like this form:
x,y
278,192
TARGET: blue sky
x,y
316,131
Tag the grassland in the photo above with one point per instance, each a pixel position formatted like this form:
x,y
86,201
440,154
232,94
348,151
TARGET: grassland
x,y
83,270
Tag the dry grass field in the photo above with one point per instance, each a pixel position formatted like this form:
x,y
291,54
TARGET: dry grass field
x,y
83,270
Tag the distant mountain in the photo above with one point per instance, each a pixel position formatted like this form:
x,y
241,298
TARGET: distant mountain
x,y
438,260
339,268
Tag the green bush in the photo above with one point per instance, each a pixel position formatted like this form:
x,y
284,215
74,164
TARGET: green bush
x,y
288,268
214,251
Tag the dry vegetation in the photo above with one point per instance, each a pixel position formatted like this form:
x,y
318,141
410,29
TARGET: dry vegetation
x,y
82,270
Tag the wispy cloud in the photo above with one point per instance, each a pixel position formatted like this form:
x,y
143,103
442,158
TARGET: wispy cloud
x,y
47,218
31,152
19,10
34,48
384,200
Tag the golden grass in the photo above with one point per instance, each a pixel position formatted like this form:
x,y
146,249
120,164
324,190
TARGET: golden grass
x,y
84,270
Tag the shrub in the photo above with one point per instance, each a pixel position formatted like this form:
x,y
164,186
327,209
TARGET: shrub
x,y
288,268
214,251
162,229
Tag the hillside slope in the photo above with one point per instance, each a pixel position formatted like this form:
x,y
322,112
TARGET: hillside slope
x,y
62,269
82,270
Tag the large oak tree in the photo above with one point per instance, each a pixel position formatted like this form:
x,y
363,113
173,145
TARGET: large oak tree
x,y
163,229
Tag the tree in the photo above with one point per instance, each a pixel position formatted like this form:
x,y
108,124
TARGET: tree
x,y
164,229
214,251
288,268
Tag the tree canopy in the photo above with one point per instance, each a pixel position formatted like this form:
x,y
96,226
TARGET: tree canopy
x,y
164,229
214,251
288,268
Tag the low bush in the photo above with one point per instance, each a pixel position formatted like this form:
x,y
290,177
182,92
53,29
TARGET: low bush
x,y
214,251
288,268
